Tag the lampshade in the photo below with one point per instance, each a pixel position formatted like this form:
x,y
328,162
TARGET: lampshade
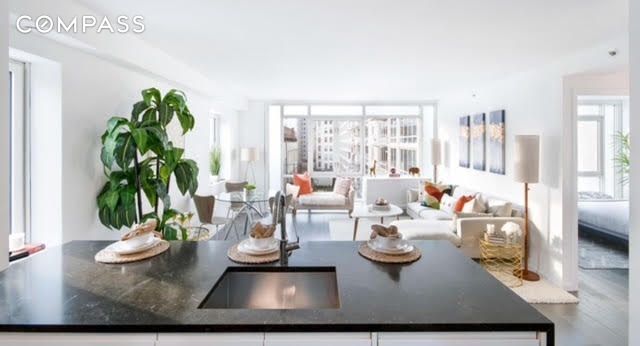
x,y
526,167
249,154
436,152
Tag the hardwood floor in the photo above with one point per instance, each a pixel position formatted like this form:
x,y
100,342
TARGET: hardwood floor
x,y
601,317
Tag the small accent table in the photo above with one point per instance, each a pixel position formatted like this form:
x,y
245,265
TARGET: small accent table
x,y
503,259
366,212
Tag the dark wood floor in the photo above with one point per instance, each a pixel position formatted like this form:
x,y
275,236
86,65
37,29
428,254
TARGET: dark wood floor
x,y
601,317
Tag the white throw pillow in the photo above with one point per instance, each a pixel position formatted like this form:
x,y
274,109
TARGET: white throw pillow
x,y
342,186
499,208
293,190
448,203
474,206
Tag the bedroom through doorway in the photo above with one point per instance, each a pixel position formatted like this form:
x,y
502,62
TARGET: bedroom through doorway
x,y
603,182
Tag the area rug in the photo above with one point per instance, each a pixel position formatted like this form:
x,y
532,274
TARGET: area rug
x,y
539,292
599,253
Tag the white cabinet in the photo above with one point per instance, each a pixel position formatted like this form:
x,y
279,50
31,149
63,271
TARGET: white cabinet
x,y
77,339
393,190
210,339
460,339
277,339
317,339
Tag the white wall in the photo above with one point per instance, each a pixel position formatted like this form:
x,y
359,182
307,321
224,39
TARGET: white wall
x,y
92,90
533,102
253,133
4,136
634,184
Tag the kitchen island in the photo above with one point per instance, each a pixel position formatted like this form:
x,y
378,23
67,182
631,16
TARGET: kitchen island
x,y
444,299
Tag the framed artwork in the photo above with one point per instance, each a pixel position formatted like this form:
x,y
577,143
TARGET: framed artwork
x,y
478,143
496,142
464,142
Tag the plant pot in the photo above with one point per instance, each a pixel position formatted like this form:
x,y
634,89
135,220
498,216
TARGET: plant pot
x,y
215,178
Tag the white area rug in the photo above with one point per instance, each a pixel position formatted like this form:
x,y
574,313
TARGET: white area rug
x,y
540,292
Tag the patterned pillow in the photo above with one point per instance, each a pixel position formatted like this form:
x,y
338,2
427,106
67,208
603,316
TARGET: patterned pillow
x,y
342,186
431,194
447,204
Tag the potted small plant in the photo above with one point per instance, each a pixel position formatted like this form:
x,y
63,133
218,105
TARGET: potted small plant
x,y
251,189
215,163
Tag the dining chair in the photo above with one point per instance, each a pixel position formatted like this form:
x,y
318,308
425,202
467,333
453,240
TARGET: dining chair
x,y
205,206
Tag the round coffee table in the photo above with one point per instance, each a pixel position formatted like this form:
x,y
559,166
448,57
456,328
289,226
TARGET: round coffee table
x,y
368,213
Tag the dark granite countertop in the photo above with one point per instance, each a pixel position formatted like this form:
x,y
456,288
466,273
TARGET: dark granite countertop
x,y
63,289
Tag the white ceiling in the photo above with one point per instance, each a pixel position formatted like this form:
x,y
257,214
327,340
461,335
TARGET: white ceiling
x,y
369,49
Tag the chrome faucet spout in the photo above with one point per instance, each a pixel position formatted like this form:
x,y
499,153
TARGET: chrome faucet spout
x,y
280,218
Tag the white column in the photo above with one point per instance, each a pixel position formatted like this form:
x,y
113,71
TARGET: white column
x,y
634,179
4,136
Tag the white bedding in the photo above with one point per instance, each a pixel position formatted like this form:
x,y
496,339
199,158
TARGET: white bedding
x,y
609,216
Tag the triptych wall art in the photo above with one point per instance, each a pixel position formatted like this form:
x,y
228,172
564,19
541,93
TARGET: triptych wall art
x,y
464,142
477,141
474,134
496,142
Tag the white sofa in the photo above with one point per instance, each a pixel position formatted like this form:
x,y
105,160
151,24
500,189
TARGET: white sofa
x,y
465,233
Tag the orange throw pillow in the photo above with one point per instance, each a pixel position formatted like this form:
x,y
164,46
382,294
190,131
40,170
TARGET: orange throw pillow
x,y
460,203
434,191
304,182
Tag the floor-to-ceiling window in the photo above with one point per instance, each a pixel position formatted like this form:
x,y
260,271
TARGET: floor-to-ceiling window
x,y
329,140
19,201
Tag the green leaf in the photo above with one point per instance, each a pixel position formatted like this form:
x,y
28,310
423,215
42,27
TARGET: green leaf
x,y
151,95
149,115
114,123
125,150
187,121
141,137
165,113
138,108
172,156
104,214
186,173
111,199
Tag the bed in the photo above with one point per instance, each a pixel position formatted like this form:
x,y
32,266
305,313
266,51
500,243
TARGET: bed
x,y
601,213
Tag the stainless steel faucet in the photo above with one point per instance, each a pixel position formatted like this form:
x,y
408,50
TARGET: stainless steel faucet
x,y
280,217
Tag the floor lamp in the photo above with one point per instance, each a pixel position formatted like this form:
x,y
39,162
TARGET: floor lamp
x,y
436,157
526,170
249,155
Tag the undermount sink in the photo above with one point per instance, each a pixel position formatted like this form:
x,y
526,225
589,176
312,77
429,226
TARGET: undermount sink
x,y
275,288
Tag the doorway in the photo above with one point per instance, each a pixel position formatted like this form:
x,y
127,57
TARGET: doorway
x,y
602,182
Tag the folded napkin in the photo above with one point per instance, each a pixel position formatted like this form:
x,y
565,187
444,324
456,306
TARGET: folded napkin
x,y
138,230
261,231
387,232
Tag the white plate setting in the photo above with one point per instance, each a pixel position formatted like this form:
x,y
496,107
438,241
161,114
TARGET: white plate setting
x,y
248,248
402,249
122,248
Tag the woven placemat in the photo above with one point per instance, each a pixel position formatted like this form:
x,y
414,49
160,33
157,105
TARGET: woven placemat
x,y
240,257
366,252
107,256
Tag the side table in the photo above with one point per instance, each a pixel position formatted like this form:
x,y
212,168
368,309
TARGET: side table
x,y
504,259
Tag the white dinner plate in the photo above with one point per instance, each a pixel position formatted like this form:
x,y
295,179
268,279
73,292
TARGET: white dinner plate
x,y
246,247
122,248
405,248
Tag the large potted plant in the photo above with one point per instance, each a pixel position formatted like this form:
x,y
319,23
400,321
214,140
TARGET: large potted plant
x,y
140,161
